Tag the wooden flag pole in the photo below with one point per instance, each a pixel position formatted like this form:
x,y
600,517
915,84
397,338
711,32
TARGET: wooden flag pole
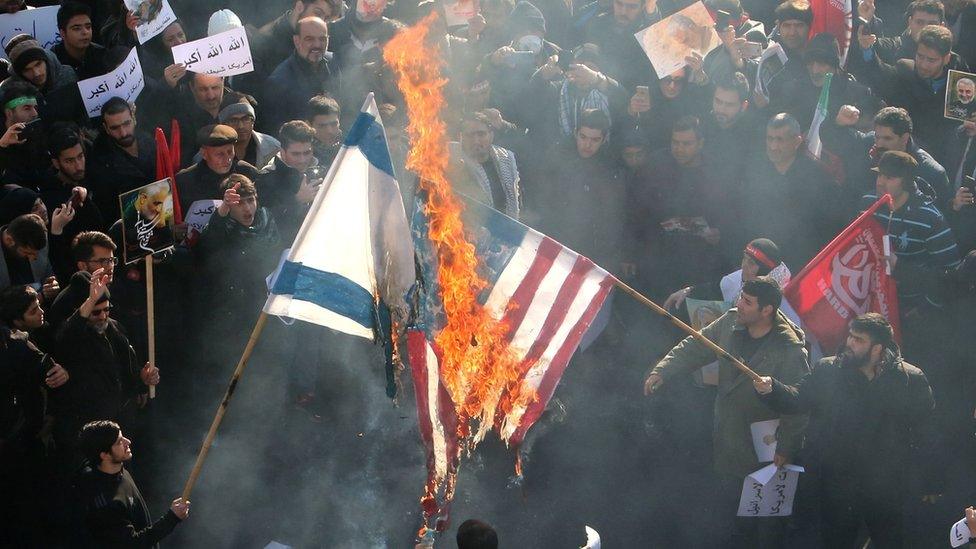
x,y
691,331
151,314
222,408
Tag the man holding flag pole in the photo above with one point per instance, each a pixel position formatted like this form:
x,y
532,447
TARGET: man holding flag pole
x,y
351,264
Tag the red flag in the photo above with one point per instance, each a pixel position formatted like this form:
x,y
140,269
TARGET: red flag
x,y
833,16
846,279
164,169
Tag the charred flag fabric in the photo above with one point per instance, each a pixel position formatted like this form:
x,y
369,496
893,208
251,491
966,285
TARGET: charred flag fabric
x,y
546,295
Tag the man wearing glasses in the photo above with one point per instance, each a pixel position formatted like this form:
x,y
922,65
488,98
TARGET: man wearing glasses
x,y
253,147
91,250
106,380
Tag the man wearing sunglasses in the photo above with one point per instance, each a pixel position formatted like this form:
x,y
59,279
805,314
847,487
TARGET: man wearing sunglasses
x,y
106,380
91,251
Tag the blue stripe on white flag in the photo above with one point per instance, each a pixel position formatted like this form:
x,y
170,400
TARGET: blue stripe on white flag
x,y
367,134
327,290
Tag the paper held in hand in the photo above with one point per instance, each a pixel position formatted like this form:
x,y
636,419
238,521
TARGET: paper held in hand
x,y
147,220
126,81
667,42
153,15
769,491
224,54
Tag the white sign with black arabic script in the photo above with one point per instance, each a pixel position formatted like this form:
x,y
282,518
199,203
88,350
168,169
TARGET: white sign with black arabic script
x,y
224,54
41,23
126,81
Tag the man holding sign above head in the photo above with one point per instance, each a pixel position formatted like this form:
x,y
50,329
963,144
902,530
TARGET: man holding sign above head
x,y
202,180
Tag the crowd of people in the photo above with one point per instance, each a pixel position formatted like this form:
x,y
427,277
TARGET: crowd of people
x,y
671,181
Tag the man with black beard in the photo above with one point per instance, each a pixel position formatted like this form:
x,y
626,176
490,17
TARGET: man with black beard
x,y
106,381
866,408
123,158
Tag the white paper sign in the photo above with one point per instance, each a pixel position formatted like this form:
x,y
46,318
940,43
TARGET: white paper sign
x,y
769,492
41,23
224,54
771,61
457,12
667,42
959,534
126,81
154,16
198,216
764,439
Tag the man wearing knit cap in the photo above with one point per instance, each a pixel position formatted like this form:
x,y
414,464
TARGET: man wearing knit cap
x,y
252,146
202,180
793,19
33,64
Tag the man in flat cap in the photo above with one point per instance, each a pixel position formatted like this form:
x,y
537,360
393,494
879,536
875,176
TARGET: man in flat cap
x,y
922,243
202,180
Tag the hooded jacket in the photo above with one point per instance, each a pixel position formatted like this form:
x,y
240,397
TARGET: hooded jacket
x,y
737,405
58,75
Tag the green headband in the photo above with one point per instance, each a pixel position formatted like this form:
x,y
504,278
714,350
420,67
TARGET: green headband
x,y
22,100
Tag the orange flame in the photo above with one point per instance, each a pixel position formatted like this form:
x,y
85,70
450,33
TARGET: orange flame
x,y
478,368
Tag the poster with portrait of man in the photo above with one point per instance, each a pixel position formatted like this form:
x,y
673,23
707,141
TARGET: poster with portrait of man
x,y
960,100
147,220
667,42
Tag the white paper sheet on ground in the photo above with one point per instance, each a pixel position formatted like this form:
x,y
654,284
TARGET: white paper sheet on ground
x,y
959,534
275,545
769,492
592,539
764,439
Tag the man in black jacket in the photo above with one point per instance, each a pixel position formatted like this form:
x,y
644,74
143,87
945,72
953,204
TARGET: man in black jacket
x,y
867,407
116,513
122,159
106,381
919,86
201,181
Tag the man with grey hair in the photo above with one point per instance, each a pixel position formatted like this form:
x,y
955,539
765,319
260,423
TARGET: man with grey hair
x,y
252,146
963,106
791,196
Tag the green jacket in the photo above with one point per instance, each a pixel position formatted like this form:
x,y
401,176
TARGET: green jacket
x,y
737,405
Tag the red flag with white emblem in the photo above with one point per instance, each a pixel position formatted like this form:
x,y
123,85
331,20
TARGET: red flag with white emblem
x,y
846,279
